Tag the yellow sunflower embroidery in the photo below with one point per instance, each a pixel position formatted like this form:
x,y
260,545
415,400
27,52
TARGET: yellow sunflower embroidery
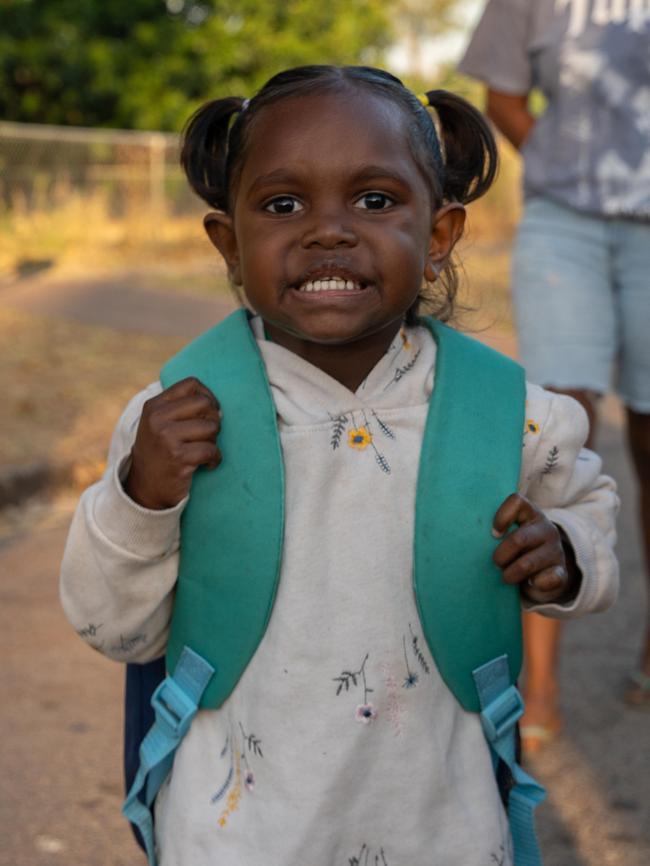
x,y
359,438
405,340
532,426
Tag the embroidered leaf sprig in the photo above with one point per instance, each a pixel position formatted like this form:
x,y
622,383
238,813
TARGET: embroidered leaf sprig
x,y
551,460
254,743
338,426
385,429
418,652
383,463
356,861
345,679
400,372
222,790
363,858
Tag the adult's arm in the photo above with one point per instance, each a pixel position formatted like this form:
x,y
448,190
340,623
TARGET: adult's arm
x,y
510,114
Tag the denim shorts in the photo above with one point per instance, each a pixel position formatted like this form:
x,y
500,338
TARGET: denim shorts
x,y
581,290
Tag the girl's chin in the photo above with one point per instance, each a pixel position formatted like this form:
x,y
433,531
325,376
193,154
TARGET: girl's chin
x,y
331,335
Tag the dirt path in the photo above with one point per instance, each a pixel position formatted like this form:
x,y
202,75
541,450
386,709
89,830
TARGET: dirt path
x,y
126,302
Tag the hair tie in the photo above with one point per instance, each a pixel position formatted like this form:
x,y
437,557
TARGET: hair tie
x,y
245,104
423,99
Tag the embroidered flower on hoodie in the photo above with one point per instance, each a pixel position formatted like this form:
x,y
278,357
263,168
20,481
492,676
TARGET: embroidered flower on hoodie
x,y
352,679
532,426
359,437
365,713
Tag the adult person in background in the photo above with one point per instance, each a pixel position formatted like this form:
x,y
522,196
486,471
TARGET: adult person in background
x,y
581,261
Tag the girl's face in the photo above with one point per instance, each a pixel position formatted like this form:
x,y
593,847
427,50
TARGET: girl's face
x,y
333,228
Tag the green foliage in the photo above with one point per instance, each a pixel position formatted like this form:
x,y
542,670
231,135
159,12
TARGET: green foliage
x,y
148,63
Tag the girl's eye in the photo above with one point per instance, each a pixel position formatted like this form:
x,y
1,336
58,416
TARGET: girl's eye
x,y
283,204
375,201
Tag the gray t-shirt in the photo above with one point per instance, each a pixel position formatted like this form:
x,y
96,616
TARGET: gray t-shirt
x,y
590,149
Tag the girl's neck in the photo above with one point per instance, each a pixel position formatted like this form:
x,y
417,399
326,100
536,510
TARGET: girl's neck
x,y
348,363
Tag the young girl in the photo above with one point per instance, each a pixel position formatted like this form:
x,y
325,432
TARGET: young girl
x,y
337,196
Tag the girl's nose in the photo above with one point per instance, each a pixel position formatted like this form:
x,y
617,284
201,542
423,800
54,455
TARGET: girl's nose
x,y
329,230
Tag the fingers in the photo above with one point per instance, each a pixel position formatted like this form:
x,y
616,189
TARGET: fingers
x,y
185,401
547,586
194,430
532,555
515,509
192,406
522,562
195,454
187,388
177,433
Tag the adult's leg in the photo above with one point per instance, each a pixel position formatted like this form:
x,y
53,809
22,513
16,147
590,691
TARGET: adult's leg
x,y
566,326
639,441
631,268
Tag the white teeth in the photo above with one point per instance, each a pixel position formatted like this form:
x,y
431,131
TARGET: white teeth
x,y
329,284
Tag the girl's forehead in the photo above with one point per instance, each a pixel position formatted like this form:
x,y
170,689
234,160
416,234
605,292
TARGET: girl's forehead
x,y
327,128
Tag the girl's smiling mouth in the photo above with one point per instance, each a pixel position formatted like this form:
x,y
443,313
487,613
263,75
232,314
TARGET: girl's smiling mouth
x,y
331,284
334,278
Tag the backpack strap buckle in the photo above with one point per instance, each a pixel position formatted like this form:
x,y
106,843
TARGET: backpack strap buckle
x,y
500,716
501,706
175,703
174,709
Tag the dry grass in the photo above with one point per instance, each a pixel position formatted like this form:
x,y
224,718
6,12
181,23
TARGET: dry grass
x,y
64,386
81,233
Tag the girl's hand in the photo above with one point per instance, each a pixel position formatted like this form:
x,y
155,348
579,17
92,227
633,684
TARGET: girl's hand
x,y
536,555
177,433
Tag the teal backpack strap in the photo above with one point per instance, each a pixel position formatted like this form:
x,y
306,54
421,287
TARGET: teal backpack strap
x,y
501,707
244,527
471,459
233,525
175,703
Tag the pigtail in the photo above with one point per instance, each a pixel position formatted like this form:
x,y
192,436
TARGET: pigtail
x,y
204,151
469,149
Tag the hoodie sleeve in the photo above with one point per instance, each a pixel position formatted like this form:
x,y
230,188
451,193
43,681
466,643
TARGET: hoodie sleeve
x,y
565,480
120,562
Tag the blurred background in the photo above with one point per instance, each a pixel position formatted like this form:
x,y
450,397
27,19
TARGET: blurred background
x,y
105,272
92,98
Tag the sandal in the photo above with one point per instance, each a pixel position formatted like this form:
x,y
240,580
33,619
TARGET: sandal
x,y
535,737
637,693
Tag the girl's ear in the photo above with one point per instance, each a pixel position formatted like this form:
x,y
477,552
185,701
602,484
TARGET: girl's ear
x,y
447,228
219,228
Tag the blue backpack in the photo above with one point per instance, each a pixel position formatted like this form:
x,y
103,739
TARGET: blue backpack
x,y
470,459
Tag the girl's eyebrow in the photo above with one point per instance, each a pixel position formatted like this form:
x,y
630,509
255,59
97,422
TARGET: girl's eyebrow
x,y
279,175
379,172
364,174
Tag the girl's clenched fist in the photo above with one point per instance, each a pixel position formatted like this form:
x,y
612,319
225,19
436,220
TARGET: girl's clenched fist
x,y
177,433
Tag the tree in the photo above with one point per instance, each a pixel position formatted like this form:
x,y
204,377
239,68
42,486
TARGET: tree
x,y
147,63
